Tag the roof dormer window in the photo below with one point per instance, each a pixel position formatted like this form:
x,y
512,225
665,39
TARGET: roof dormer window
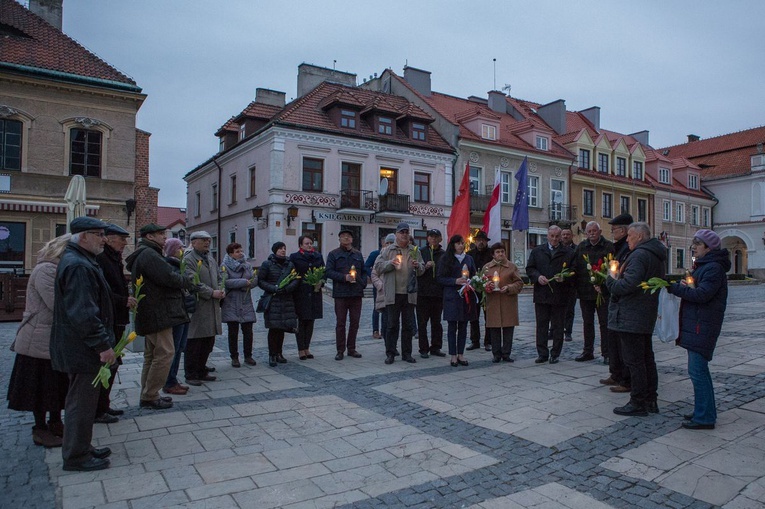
x,y
664,175
542,143
693,181
488,132
348,119
418,131
242,132
385,125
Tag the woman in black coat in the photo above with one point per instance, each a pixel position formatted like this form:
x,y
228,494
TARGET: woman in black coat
x,y
458,310
308,300
280,316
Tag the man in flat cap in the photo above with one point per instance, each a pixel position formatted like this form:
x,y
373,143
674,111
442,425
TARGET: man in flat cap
x,y
206,320
110,261
430,299
481,255
82,339
347,290
161,308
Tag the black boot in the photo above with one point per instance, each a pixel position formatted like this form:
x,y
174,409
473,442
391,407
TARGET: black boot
x,y
272,361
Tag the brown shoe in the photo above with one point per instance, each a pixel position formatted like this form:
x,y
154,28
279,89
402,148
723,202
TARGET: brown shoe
x,y
175,389
45,438
235,362
620,388
608,381
57,428
250,361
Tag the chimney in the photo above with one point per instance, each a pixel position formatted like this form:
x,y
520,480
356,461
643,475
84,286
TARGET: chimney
x,y
554,114
311,76
497,102
593,115
49,10
642,137
693,137
418,79
270,97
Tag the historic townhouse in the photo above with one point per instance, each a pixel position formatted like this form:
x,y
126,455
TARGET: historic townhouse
x,y
63,112
732,169
337,157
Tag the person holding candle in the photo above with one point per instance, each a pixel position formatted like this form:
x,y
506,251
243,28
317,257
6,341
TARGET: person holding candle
x,y
481,255
430,299
702,309
632,314
399,265
453,274
347,292
567,240
502,302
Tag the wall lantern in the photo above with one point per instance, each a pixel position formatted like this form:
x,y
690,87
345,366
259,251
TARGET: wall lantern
x,y
292,214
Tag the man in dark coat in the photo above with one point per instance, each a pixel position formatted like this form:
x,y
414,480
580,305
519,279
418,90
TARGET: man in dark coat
x,y
110,261
481,255
430,301
632,314
595,249
545,261
347,290
158,312
567,240
82,339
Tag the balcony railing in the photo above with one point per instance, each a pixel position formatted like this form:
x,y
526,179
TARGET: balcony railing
x,y
561,212
394,203
356,199
479,202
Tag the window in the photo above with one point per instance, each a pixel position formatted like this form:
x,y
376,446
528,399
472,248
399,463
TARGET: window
x,y
422,187
85,153
418,131
679,212
10,144
705,217
542,143
14,246
231,236
603,163
350,184
488,132
214,247
608,205
232,198
214,196
348,119
666,210
197,203
695,215
385,125
252,183
642,210
556,199
533,191
588,202
505,187
391,175
664,175
624,205
242,132
693,181
637,170
420,238
475,180
621,166
313,174
584,158
680,255
250,242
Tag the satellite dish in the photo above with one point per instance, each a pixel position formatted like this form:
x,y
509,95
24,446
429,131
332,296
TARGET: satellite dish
x,y
383,187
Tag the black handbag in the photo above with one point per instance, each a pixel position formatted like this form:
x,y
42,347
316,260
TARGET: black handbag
x,y
264,302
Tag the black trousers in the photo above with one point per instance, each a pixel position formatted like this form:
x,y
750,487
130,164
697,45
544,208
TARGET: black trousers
x,y
275,341
589,310
233,338
81,402
616,366
637,352
195,359
429,309
475,331
104,395
568,320
501,340
549,317
304,334
399,315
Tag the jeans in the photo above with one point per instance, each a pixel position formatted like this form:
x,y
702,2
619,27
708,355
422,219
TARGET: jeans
x,y
704,410
456,335
589,310
637,352
400,314
180,337
375,313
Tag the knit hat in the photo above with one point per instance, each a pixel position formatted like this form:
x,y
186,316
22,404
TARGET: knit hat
x,y
710,238
172,246
390,238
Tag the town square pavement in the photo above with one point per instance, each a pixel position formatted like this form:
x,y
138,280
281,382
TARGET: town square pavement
x,y
358,433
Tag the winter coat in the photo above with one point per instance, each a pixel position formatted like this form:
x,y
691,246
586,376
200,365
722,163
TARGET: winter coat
x,y
111,265
456,308
584,287
237,306
631,309
308,301
189,298
206,320
387,272
543,262
370,263
162,306
83,324
339,262
427,286
379,285
33,336
702,308
281,310
502,308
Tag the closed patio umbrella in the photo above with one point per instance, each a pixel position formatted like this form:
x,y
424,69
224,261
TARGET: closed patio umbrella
x,y
75,199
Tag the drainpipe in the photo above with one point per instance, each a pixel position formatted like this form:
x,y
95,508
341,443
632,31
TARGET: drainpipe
x,y
220,192
711,212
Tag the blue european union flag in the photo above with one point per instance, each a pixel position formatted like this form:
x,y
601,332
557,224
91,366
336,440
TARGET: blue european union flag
x,y
521,207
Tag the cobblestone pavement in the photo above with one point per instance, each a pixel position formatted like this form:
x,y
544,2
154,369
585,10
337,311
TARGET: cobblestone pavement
x,y
358,433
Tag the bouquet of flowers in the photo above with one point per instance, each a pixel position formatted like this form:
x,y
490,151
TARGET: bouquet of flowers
x,y
479,283
654,284
223,277
315,277
598,273
562,275
288,279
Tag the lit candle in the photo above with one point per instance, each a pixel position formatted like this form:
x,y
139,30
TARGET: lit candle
x,y
465,271
613,267
495,278
399,259
353,273
689,279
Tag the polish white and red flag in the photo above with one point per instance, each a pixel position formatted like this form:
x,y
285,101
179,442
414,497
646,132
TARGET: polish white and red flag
x,y
492,219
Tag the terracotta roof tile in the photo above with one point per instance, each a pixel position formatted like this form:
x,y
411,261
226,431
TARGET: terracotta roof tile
x,y
28,40
170,216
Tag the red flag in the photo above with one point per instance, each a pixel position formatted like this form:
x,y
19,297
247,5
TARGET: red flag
x,y
459,220
493,217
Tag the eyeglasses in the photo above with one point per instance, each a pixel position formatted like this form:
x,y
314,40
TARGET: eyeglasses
x,y
98,233
696,242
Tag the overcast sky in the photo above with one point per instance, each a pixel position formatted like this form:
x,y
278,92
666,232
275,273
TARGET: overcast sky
x,y
671,67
